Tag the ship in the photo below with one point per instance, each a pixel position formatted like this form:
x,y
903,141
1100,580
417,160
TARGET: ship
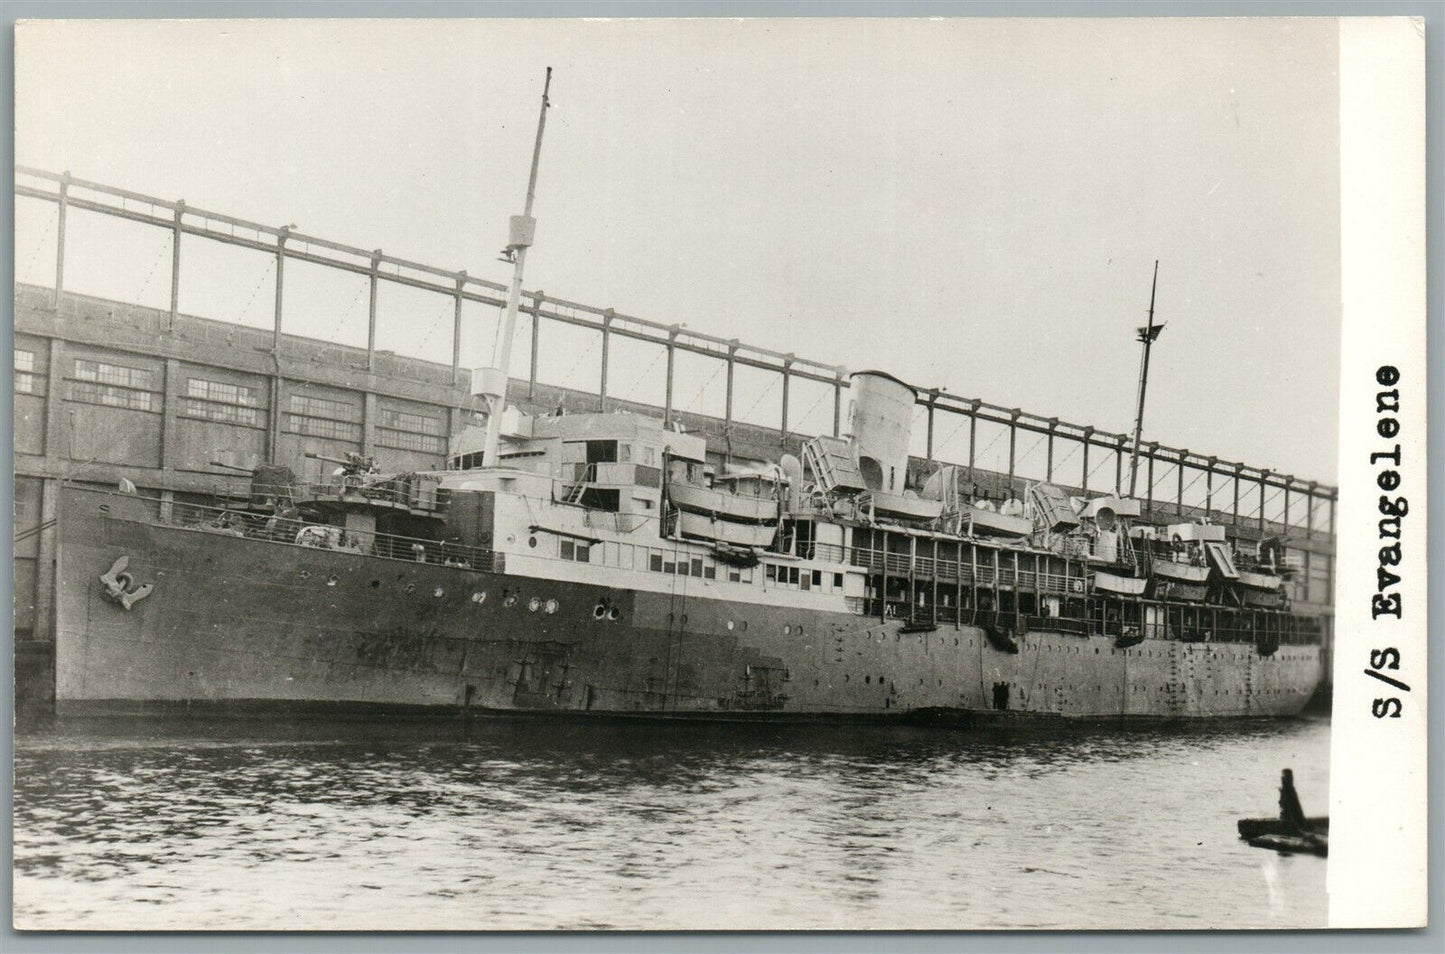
x,y
605,565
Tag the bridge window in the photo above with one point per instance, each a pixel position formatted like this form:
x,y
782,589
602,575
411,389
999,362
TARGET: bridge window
x,y
406,431
219,401
113,385
320,417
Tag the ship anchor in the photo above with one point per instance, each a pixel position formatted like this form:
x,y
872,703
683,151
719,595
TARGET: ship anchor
x,y
118,585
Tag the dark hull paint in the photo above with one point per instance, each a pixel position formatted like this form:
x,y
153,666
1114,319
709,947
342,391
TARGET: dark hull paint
x,y
241,621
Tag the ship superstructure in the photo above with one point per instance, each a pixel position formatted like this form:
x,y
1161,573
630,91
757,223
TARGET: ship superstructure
x,y
603,566
606,563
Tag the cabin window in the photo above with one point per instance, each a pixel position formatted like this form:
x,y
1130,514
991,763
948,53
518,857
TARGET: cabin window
x,y
624,452
818,578
584,553
654,562
595,498
567,549
793,575
601,452
771,573
697,567
807,582
670,568
709,572
734,576
837,581
220,401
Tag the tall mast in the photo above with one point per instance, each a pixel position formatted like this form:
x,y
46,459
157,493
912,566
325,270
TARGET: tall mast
x,y
491,383
1147,334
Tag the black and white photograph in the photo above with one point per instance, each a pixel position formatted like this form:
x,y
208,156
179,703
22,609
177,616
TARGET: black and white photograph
x,y
703,474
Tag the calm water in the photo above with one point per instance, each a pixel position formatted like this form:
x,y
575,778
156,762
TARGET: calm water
x,y
250,825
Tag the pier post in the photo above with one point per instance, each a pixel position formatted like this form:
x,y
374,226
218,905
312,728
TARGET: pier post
x,y
671,356
1049,450
1263,483
1209,485
838,404
176,262
1088,439
372,279
1310,509
787,365
1119,465
607,317
536,336
1287,481
460,282
1149,475
281,238
1013,439
1179,483
61,205
932,397
728,408
972,434
1237,469
55,413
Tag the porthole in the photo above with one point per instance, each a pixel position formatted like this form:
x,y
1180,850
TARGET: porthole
x,y
532,542
409,588
730,625
305,574
551,607
479,597
439,592
614,614
868,679
333,580
510,600
787,629
534,604
599,611
375,584
511,538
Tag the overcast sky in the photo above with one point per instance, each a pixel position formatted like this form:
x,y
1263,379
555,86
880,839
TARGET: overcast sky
x,y
975,205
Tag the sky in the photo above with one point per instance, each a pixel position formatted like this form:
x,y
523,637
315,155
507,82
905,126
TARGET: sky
x,y
975,205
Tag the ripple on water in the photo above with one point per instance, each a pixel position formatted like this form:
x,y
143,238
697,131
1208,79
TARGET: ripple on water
x,y
510,825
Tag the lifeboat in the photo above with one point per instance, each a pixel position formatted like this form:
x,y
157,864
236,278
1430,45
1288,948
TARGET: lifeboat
x,y
706,527
731,506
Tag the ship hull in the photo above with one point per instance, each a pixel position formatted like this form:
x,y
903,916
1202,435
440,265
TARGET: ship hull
x,y
248,623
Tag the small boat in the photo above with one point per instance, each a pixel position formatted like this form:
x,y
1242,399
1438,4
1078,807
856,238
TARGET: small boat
x,y
1301,844
1292,832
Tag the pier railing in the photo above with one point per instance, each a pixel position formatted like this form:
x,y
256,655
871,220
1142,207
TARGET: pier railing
x,y
1174,481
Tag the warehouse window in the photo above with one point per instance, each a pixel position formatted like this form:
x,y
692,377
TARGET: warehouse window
x,y
320,417
26,380
218,401
407,431
113,385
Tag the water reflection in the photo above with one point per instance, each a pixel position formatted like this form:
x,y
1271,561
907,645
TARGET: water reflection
x,y
534,825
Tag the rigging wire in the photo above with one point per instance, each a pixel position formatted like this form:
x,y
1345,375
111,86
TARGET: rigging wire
x,y
160,253
700,391
762,394
246,309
